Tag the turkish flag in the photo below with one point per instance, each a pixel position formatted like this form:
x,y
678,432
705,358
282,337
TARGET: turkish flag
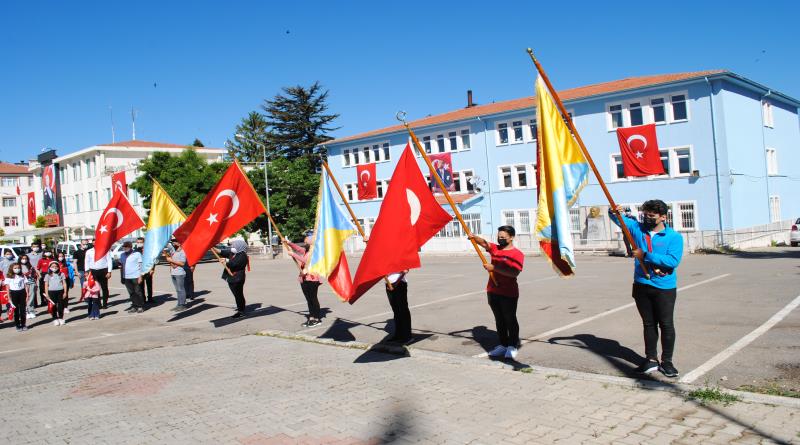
x,y
18,190
367,182
639,149
408,218
31,208
443,164
228,207
117,220
119,183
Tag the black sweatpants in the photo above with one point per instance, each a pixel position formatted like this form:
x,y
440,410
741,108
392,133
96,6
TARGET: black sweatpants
x,y
505,318
656,307
19,300
398,300
59,303
146,288
100,276
310,292
237,289
134,292
188,282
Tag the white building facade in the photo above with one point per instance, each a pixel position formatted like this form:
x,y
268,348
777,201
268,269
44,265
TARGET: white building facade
x,y
12,209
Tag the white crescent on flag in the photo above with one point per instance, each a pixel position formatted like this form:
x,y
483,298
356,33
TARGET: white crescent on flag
x,y
414,205
31,202
118,185
637,137
365,181
234,199
120,216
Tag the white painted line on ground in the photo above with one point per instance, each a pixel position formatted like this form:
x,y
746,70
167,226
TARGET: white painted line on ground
x,y
744,341
549,333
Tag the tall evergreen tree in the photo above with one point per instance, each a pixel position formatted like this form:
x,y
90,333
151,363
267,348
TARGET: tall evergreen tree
x,y
197,143
250,146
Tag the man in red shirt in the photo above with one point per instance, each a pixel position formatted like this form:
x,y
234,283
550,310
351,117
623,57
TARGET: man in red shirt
x,y
506,265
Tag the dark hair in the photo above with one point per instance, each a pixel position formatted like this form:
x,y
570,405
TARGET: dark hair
x,y
140,238
508,229
655,206
127,244
10,271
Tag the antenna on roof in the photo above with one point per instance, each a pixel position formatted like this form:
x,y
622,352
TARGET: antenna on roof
x,y
133,122
113,135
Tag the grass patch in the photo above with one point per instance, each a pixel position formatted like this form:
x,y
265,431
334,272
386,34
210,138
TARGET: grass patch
x,y
723,250
712,395
772,389
527,370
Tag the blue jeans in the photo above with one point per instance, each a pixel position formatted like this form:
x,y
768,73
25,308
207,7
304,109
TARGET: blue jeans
x,y
180,290
94,307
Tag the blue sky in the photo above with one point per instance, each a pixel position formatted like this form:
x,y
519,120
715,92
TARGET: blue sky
x,y
194,69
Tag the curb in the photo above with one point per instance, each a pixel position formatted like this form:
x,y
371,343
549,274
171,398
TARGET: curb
x,y
678,388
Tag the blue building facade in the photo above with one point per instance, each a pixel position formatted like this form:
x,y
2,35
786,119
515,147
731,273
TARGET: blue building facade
x,y
730,146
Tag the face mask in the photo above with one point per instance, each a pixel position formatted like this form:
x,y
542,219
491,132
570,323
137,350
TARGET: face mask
x,y
139,244
16,270
53,270
9,257
47,254
649,223
23,261
35,249
502,242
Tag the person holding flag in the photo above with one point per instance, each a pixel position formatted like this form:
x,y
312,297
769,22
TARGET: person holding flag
x,y
236,262
397,292
309,281
165,216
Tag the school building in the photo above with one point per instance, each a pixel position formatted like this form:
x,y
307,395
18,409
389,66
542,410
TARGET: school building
x,y
730,147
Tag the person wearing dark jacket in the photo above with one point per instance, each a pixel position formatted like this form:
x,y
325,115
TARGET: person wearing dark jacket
x,y
236,261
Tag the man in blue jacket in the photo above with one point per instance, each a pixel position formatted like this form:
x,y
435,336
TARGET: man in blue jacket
x,y
660,249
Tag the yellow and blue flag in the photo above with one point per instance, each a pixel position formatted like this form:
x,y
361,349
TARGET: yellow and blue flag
x,y
331,229
165,216
563,172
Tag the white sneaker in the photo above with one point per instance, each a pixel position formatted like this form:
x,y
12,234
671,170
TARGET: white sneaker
x,y
62,322
511,352
56,323
498,351
30,315
66,310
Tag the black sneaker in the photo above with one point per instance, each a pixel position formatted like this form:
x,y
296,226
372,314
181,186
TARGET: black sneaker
x,y
312,323
668,369
647,367
139,310
237,315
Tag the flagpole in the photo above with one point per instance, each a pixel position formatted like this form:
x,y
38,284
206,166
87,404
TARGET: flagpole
x,y
352,213
447,196
571,125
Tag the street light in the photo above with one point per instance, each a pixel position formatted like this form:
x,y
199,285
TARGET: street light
x,y
266,186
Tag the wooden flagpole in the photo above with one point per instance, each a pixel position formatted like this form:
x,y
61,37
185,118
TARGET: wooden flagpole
x,y
447,196
352,213
571,125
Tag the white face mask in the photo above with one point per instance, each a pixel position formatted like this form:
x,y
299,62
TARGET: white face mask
x,y
17,270
35,249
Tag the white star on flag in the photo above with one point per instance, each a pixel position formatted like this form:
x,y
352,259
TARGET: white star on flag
x,y
639,155
212,218
103,229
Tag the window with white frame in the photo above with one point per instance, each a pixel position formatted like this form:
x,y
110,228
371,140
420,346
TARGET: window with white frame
x,y
9,202
681,215
351,190
426,143
466,144
687,216
462,180
660,109
8,182
134,196
62,175
76,171
532,129
90,200
346,157
615,116
680,112
683,161
440,143
519,176
77,203
520,220
677,162
457,139
367,155
575,220
108,194
10,221
769,121
516,131
64,207
636,113
502,133
454,229
772,161
774,208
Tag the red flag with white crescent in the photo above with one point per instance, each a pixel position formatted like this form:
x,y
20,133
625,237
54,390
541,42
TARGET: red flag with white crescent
x,y
31,208
228,207
408,218
367,183
119,183
117,220
639,149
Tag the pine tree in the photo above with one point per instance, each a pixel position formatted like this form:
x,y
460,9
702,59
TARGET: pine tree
x,y
250,138
197,143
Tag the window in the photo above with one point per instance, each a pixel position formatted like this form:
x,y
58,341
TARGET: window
x,y
376,152
64,207
774,208
524,221
90,199
461,181
533,129
379,187
454,230
677,162
522,175
9,202
772,161
516,176
77,201
636,113
76,172
665,160
386,155
502,133
62,175
355,157
346,157
766,112
683,162
686,210
508,218
465,143
134,196
618,172
10,221
440,143
452,140
518,219
575,220
30,181
426,142
505,178
86,165
352,192
679,111
659,114
517,128
366,155
108,194
615,112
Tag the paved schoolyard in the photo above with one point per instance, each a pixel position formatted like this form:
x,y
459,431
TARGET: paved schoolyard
x,y
735,321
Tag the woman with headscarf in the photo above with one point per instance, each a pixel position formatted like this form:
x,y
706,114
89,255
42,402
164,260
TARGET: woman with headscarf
x,y
236,261
309,282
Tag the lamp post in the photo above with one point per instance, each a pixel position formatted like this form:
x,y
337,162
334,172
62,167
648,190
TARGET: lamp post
x,y
266,186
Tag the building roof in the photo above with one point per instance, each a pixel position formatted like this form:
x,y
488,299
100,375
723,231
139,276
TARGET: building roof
x,y
13,169
529,101
148,144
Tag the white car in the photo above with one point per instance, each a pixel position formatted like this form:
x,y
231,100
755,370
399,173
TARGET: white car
x,y
16,249
794,235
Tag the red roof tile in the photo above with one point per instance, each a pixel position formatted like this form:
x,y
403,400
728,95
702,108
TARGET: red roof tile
x,y
529,102
13,169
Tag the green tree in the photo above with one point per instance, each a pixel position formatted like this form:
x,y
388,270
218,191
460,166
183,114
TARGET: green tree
x,y
197,143
187,178
292,197
249,147
298,122
40,222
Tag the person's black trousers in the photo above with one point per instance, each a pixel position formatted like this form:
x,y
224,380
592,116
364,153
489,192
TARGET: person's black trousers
x,y
505,318
188,283
59,303
656,307
100,276
42,295
19,300
309,289
147,286
398,300
134,292
237,289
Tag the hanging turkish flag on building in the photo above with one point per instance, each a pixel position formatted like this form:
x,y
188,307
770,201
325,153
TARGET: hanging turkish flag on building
x,y
119,183
408,218
367,182
443,164
19,192
228,207
117,220
31,208
639,149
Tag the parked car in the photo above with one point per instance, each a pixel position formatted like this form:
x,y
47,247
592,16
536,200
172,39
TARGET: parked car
x,y
794,235
69,247
17,249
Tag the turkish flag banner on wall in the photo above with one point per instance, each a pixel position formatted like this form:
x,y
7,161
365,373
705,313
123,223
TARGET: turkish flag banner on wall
x,y
117,220
639,149
228,207
443,164
31,208
408,218
119,183
367,182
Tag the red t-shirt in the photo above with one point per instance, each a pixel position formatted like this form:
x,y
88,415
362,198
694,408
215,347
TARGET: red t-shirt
x,y
44,264
513,258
